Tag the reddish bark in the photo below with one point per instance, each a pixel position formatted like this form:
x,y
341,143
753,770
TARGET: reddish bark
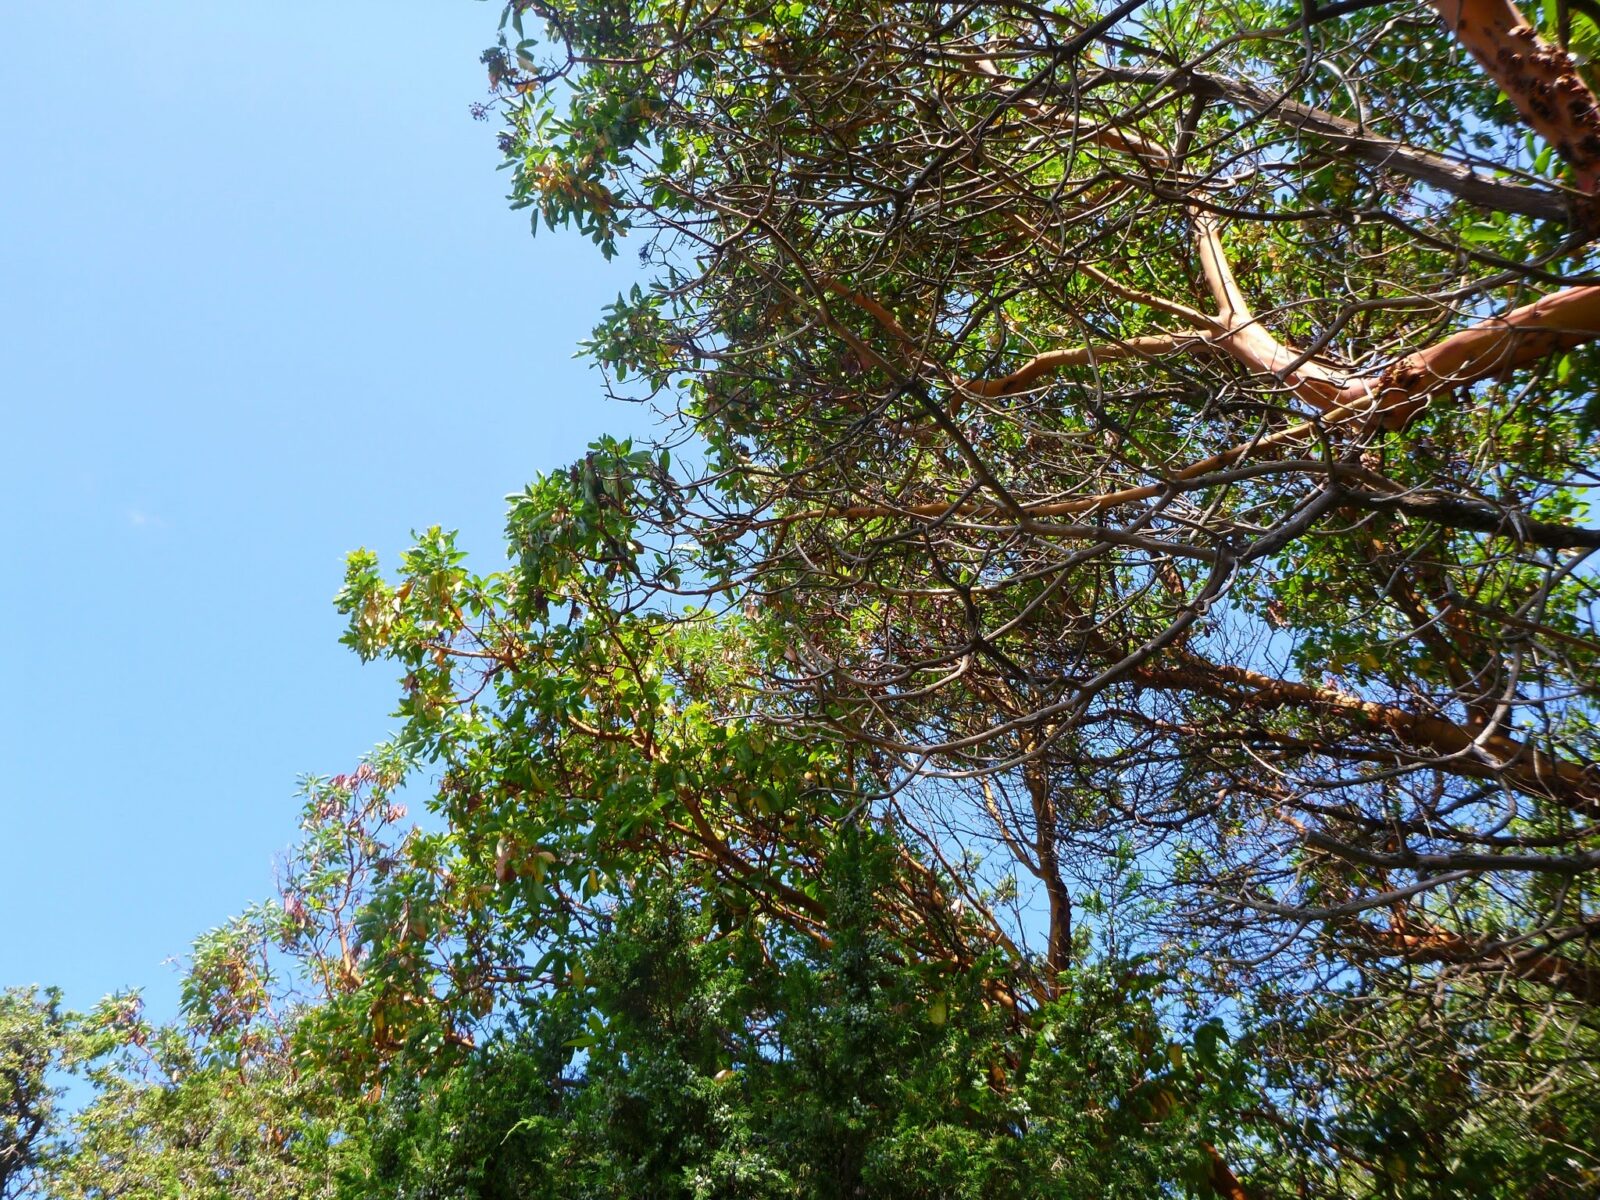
x,y
1523,336
1223,1181
1518,338
1540,79
1051,361
1429,943
1495,756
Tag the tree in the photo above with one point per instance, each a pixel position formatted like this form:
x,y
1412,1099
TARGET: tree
x,y
35,1036
750,1062
1160,434
1093,692
191,1110
659,947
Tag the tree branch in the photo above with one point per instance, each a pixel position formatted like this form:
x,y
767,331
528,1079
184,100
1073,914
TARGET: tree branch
x,y
1425,166
1540,79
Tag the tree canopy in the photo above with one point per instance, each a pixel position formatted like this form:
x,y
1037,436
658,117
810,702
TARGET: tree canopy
x,y
1092,689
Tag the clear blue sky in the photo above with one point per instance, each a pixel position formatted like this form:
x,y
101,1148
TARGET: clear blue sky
x,y
261,302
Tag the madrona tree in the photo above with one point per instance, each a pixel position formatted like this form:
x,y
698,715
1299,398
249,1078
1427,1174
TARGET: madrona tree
x,y
1159,438
1094,692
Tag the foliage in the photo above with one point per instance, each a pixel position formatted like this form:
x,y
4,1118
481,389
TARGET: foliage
x,y
1161,438
173,1112
729,1070
1094,694
35,1039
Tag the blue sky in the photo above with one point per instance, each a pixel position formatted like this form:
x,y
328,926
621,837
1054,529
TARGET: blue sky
x,y
261,302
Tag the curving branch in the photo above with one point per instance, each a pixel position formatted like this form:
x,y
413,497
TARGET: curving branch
x,y
1525,335
1051,361
1244,337
1395,395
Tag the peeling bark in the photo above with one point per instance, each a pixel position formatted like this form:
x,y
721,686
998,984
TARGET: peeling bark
x,y
1540,79
1429,943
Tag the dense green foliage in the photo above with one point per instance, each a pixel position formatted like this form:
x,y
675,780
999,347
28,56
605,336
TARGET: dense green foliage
x,y
34,1035
1093,694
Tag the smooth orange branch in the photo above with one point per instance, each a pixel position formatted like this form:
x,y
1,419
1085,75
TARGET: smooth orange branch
x,y
1040,365
1246,338
1233,308
1051,361
1540,79
1525,335
875,310
1221,1178
1553,323
1518,338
